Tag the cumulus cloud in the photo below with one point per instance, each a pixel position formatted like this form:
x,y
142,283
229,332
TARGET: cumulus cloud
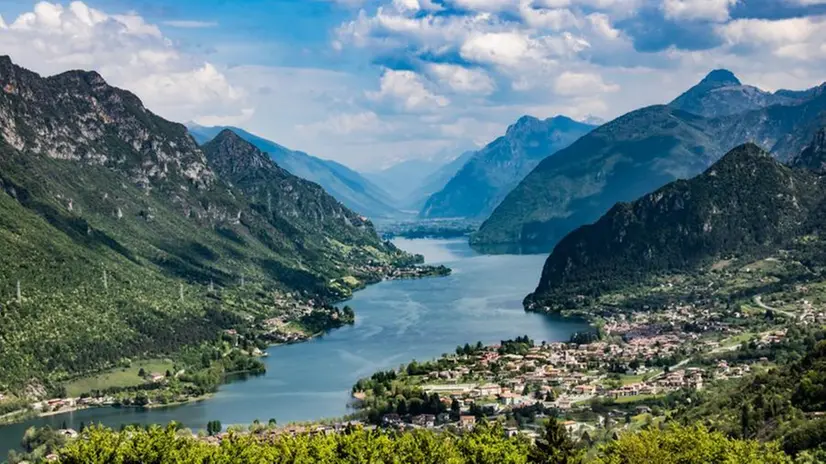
x,y
572,84
346,124
795,38
709,10
127,51
463,80
406,90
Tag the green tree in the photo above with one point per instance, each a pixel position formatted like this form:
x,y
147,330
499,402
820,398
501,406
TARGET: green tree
x,y
688,445
554,446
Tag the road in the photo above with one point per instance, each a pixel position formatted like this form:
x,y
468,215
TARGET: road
x,y
758,300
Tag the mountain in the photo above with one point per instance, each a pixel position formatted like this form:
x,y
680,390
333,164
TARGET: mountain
x,y
813,157
436,181
745,203
722,94
291,202
403,179
493,171
807,94
348,186
413,182
634,155
122,239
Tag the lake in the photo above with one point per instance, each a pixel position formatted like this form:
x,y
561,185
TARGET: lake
x,y
396,322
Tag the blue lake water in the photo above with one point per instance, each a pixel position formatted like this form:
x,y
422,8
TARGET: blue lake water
x,y
396,321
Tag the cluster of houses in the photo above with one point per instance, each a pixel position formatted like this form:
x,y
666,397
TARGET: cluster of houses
x,y
564,375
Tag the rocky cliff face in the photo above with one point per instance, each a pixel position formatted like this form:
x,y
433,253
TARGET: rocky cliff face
x,y
78,116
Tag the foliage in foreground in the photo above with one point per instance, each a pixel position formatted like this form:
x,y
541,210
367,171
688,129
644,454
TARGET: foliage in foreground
x,y
688,445
486,444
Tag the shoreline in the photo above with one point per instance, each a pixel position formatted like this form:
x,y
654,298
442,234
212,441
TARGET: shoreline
x,y
208,396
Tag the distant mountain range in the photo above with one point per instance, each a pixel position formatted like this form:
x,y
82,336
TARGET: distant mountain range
x,y
487,177
412,182
645,149
346,185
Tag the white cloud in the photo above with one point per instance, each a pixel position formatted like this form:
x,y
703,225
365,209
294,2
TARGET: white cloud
x,y
601,24
709,10
345,124
795,38
463,80
484,5
407,91
127,51
571,84
554,19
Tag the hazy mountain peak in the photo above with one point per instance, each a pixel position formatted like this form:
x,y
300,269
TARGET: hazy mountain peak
x,y
720,93
528,122
524,121
721,77
344,184
494,170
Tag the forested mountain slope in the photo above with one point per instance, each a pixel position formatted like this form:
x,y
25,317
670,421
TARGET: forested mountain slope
x,y
634,155
127,242
347,186
747,203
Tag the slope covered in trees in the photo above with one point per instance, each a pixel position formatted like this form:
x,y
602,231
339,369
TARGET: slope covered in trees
x,y
485,444
746,203
125,242
635,154
347,186
786,404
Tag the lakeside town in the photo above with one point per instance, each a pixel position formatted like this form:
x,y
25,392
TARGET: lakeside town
x,y
613,378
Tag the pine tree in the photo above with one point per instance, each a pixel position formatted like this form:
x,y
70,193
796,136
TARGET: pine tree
x,y
554,446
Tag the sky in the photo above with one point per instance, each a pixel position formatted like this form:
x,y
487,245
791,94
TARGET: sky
x,y
370,83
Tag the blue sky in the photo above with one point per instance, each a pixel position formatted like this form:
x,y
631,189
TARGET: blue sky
x,y
372,82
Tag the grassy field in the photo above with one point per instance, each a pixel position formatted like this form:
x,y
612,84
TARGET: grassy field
x,y
634,399
123,377
625,379
738,339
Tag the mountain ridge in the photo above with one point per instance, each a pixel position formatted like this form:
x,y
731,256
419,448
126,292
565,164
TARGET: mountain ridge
x,y
345,184
484,180
121,240
746,203
631,156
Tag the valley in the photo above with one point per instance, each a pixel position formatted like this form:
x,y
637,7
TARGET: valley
x,y
563,292
480,300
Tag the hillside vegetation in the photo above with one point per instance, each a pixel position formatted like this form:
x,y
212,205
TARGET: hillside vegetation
x,y
121,239
645,149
